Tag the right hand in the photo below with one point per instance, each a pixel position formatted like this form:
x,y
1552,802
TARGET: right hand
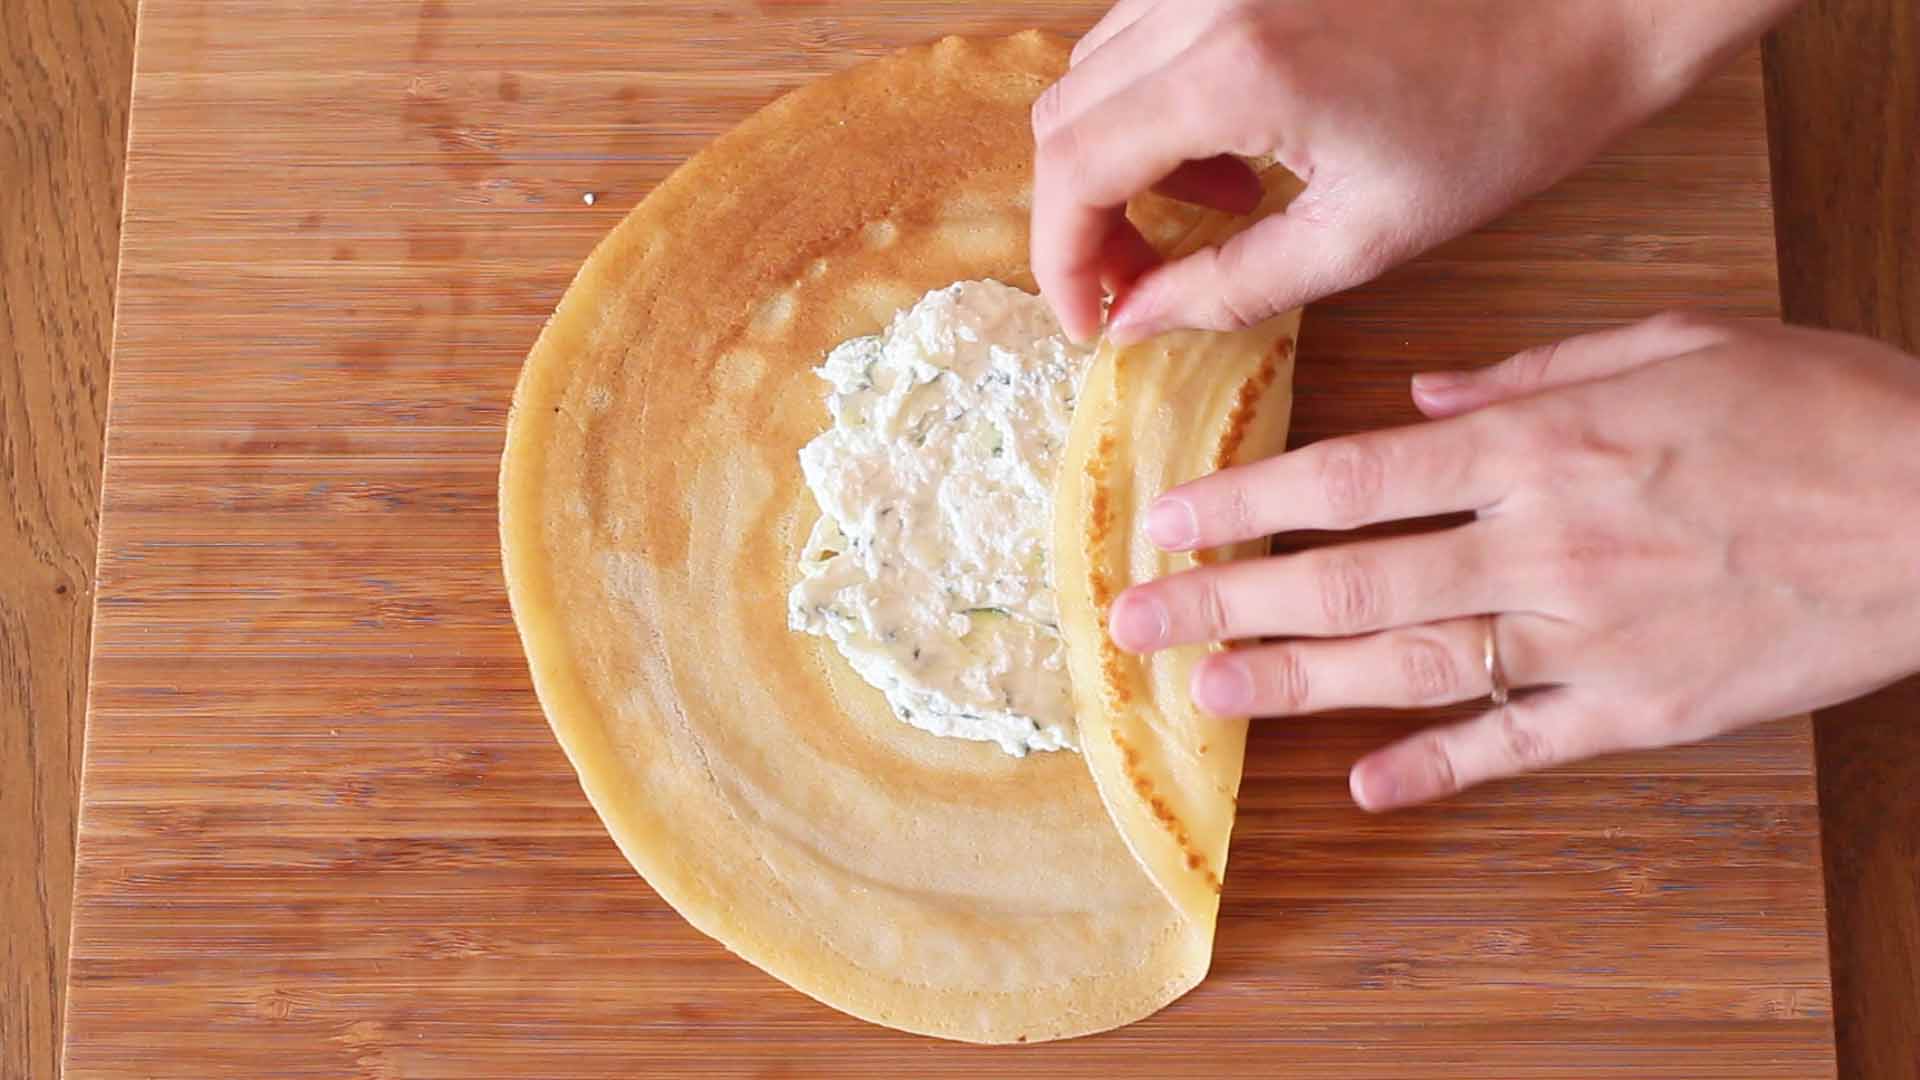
x,y
1411,122
1657,551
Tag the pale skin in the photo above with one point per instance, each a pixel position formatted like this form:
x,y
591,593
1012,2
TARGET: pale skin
x,y
1680,527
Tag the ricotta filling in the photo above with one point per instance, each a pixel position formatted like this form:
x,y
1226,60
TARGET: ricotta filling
x,y
929,567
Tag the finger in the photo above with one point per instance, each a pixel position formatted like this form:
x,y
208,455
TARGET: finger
x,y
1086,170
1124,255
1439,467
1435,664
1564,363
1130,55
1288,260
1532,732
1118,17
1072,282
1223,183
1327,592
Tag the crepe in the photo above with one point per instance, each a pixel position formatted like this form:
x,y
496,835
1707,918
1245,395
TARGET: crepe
x,y
1149,417
651,513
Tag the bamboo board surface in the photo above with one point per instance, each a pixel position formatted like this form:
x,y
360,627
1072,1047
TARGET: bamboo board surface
x,y
324,830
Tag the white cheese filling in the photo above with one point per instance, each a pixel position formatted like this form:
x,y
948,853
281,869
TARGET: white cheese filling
x,y
929,566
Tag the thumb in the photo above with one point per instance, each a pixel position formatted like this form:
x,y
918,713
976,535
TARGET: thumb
x,y
1440,394
1281,263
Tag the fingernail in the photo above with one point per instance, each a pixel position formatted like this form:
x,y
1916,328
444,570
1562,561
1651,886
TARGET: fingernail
x,y
1138,622
1128,320
1373,788
1440,383
1171,524
1438,388
1224,687
1124,332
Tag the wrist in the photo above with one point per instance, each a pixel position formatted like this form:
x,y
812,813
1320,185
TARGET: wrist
x,y
1672,47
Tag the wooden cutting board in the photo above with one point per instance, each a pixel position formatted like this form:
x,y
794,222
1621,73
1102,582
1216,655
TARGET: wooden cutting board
x,y
324,829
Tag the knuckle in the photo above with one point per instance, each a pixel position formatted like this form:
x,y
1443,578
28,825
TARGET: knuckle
x,y
1049,111
1668,720
1437,759
1245,59
1253,287
1216,612
1351,476
1529,367
1546,435
1237,513
1249,42
1349,594
1054,157
1429,671
1059,161
1239,297
1522,743
1287,684
1223,309
1583,560
1583,546
1187,95
1572,568
1237,312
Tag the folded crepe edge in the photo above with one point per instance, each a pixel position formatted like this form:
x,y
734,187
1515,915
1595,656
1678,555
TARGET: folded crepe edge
x,y
1168,774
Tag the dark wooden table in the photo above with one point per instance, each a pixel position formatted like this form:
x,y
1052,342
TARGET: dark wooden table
x,y
1844,107
64,73
1843,104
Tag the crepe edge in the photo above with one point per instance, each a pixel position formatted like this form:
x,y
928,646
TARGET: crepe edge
x,y
1093,563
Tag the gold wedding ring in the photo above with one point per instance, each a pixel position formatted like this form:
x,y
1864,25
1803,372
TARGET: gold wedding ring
x,y
1496,678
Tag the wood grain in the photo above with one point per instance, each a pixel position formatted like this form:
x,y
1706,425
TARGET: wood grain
x,y
64,73
325,831
1846,168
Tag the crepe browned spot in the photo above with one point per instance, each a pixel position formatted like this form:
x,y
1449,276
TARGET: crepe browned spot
x,y
652,512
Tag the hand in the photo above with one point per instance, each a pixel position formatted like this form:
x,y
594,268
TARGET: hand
x,y
1681,527
1411,122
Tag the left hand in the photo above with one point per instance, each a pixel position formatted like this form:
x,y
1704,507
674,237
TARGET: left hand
x,y
1681,527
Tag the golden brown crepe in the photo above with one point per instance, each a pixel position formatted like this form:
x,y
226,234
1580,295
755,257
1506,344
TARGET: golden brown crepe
x,y
1150,417
652,511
